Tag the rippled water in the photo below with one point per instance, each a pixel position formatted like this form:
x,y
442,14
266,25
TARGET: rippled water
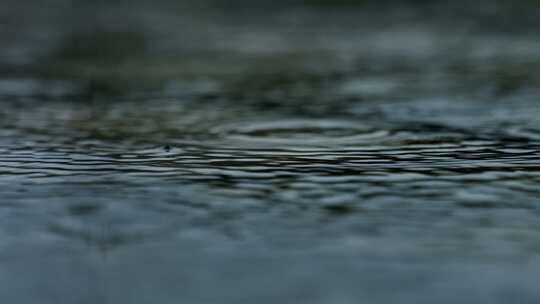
x,y
396,164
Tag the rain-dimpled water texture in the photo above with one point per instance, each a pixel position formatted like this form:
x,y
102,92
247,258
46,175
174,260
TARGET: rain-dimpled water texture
x,y
310,157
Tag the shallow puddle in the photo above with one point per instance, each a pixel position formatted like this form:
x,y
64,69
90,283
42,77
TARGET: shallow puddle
x,y
290,156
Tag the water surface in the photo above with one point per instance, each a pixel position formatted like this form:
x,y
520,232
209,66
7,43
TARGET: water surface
x,y
301,156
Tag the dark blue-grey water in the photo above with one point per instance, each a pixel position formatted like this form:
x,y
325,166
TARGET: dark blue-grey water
x,y
300,155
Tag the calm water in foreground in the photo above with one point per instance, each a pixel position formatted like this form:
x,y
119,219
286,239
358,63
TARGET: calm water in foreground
x,y
299,157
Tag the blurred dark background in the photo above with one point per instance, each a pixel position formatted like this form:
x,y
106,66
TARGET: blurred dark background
x,y
117,45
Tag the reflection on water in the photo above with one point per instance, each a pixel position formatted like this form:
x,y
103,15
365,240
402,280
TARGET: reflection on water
x,y
299,159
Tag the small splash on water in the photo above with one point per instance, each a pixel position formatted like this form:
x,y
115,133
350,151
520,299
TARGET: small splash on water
x,y
302,132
